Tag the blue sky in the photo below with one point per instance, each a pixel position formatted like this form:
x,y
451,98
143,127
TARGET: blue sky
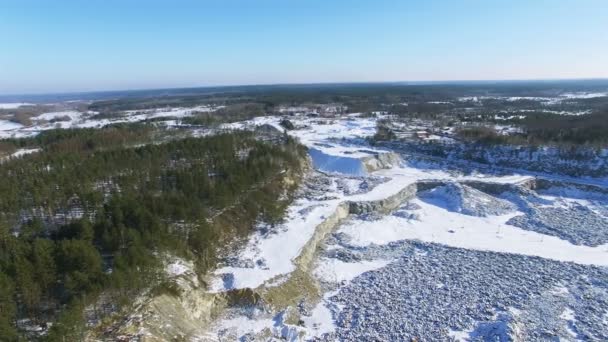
x,y
62,45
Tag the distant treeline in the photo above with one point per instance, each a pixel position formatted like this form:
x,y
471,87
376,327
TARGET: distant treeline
x,y
132,205
548,129
365,96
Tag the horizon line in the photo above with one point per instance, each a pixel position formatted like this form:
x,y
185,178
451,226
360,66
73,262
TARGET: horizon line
x,y
406,83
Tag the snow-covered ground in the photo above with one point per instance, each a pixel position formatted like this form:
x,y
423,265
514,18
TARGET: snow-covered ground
x,y
177,112
437,224
13,105
583,95
543,100
19,153
87,119
266,257
452,260
367,264
549,111
6,125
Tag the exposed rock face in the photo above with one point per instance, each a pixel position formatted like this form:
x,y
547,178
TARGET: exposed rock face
x,y
268,130
541,183
577,162
353,165
381,161
498,188
288,125
337,164
322,230
185,314
386,204
169,317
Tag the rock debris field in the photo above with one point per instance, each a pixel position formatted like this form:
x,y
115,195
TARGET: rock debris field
x,y
431,291
572,221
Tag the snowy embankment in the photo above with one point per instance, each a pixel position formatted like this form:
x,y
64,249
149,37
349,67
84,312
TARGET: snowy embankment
x,y
266,257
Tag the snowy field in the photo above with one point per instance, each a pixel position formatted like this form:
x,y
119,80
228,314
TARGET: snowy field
x,y
88,119
543,100
13,105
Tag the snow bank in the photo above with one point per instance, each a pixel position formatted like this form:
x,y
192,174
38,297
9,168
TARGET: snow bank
x,y
328,163
6,125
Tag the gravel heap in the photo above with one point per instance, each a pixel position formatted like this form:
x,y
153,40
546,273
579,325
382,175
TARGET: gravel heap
x,y
573,222
463,199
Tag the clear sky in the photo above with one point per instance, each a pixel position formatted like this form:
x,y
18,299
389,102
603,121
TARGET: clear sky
x,y
69,45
